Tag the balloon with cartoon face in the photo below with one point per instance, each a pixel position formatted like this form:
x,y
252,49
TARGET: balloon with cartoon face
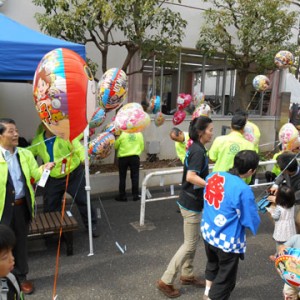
x,y
112,89
102,146
64,93
288,267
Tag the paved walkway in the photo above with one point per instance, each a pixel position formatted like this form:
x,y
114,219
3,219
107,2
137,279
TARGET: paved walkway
x,y
111,275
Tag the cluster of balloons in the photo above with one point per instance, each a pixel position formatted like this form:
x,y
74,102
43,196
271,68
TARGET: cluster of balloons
x,y
283,59
154,108
111,94
65,96
183,101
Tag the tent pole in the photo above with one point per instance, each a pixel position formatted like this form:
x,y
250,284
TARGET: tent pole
x,y
88,188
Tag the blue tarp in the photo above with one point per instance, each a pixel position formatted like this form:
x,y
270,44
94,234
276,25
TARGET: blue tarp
x,y
22,48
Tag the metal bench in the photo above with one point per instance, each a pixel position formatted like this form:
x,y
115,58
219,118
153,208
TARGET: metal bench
x,y
50,223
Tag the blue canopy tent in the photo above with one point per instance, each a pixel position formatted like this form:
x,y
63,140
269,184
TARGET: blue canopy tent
x,y
22,48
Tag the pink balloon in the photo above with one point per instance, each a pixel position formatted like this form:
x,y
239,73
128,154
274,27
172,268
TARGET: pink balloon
x,y
287,133
183,100
202,110
131,118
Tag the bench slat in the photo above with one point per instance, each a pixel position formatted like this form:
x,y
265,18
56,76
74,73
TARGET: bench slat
x,y
52,225
39,224
33,228
46,226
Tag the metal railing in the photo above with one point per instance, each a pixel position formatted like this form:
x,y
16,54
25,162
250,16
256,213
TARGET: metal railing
x,y
144,199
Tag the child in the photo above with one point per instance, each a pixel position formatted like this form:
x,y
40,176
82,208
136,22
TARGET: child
x,y
9,287
289,292
283,214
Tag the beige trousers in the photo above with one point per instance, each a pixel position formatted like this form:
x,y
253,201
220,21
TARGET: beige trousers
x,y
183,259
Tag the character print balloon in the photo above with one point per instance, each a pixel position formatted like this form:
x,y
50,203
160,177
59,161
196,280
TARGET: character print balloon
x,y
131,118
64,93
284,59
112,89
261,83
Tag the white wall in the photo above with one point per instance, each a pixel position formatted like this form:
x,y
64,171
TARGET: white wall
x,y
167,147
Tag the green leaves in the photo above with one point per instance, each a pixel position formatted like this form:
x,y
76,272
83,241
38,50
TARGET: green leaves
x,y
252,30
139,25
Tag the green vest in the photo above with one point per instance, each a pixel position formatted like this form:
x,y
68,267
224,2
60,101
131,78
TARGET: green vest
x,y
30,169
62,150
224,149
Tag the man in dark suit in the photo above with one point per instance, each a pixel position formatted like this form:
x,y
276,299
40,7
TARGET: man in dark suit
x,y
18,169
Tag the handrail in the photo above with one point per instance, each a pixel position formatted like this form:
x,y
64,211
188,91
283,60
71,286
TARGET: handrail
x,y
177,171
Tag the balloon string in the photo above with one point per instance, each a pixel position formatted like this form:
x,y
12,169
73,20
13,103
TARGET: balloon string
x,y
60,231
251,100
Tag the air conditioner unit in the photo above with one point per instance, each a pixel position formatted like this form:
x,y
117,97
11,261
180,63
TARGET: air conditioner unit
x,y
153,147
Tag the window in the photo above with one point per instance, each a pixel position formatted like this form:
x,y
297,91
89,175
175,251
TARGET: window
x,y
196,73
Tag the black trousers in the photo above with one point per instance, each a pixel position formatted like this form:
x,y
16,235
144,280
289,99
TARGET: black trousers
x,y
221,269
20,225
55,189
133,163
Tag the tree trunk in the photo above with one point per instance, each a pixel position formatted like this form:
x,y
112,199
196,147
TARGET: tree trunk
x,y
243,90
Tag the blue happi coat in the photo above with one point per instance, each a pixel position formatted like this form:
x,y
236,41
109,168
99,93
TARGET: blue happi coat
x,y
229,208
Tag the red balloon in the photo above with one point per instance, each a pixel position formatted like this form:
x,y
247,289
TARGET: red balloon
x,y
183,101
178,117
64,93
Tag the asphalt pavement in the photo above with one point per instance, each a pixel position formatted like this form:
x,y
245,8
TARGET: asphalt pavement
x,y
110,275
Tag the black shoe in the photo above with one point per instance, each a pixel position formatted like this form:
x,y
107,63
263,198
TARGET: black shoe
x,y
95,231
121,199
136,198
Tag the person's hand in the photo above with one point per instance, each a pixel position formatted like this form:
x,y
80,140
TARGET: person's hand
x,y
281,249
271,198
273,190
49,165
